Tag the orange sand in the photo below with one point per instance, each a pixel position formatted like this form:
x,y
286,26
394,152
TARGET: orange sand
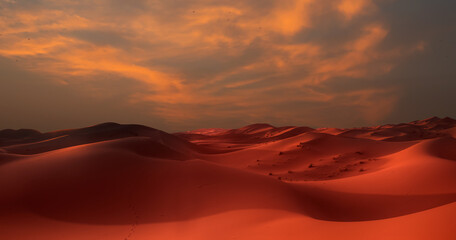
x,y
113,181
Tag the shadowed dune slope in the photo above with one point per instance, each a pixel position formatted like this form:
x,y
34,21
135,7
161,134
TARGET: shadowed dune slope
x,y
107,131
84,184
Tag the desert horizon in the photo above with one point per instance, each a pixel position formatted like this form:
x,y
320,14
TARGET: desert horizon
x,y
215,130
128,181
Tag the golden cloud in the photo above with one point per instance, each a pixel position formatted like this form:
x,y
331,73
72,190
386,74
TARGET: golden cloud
x,y
167,48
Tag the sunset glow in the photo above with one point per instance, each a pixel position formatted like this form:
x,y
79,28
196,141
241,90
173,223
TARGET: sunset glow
x,y
183,64
223,120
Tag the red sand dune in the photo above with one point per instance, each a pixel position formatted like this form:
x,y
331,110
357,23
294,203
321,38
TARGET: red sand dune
x,y
113,181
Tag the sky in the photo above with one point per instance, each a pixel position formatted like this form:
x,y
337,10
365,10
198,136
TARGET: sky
x,y
179,65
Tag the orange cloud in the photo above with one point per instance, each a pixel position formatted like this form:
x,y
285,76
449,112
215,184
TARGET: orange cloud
x,y
290,17
374,104
236,56
21,21
351,8
19,46
359,52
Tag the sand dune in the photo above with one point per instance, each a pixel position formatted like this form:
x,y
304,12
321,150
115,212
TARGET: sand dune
x,y
113,181
44,142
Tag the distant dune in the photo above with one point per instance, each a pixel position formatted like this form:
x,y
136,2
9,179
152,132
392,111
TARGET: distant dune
x,y
113,181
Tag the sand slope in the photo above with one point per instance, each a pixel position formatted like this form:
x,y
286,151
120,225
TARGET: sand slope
x,y
113,181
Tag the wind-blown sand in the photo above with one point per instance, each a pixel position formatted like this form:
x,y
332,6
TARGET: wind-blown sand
x,y
113,181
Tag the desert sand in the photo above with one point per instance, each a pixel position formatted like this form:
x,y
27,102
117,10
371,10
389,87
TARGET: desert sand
x,y
113,181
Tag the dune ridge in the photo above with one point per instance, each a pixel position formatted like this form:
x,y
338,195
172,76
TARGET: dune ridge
x,y
114,181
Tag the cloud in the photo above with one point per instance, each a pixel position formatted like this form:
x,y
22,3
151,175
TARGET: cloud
x,y
351,8
198,60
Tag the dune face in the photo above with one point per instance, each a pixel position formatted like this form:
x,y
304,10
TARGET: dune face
x,y
113,181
